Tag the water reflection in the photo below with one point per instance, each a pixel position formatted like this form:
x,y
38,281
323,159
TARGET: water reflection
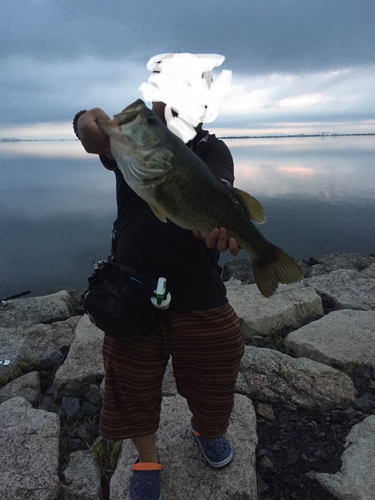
x,y
44,179
297,171
57,204
311,167
44,149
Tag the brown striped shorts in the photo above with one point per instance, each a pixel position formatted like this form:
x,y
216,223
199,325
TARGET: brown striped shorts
x,y
206,349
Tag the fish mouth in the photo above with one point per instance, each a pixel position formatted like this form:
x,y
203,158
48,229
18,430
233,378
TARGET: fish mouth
x,y
130,113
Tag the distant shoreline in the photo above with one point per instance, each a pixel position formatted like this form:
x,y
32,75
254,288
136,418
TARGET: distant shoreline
x,y
273,136
15,139
323,134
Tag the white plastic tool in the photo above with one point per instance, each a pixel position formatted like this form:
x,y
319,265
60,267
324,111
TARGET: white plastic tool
x,y
162,298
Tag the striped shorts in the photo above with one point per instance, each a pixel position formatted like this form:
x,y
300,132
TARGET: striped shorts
x,y
206,349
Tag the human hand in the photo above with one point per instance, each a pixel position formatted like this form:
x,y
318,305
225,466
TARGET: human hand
x,y
92,137
218,238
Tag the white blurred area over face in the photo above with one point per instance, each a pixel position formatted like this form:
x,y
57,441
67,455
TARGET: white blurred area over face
x,y
182,81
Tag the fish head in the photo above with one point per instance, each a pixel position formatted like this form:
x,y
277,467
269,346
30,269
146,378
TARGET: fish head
x,y
139,143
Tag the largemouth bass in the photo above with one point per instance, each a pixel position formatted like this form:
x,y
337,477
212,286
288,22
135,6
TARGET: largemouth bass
x,y
180,187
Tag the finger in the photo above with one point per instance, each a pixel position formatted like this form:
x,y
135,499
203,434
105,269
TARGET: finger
x,y
222,240
233,247
98,113
211,240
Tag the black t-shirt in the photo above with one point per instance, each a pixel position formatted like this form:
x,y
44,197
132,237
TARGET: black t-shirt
x,y
164,249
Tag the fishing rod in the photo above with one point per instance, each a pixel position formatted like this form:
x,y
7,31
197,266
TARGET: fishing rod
x,y
22,294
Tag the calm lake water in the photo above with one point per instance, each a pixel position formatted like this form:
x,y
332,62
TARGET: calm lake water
x,y
57,204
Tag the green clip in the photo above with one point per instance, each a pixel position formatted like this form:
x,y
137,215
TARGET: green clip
x,y
161,290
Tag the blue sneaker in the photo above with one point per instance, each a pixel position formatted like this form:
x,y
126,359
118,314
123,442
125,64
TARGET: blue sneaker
x,y
217,452
145,484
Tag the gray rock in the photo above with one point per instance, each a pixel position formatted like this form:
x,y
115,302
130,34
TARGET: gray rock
x,y
185,473
45,309
289,306
369,272
169,383
347,289
63,332
93,396
356,479
85,354
34,343
304,266
70,407
56,359
90,410
82,477
239,269
29,458
266,463
363,404
317,270
341,337
276,377
27,386
335,261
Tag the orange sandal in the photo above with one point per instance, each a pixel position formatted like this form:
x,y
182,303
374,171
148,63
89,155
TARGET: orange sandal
x,y
145,484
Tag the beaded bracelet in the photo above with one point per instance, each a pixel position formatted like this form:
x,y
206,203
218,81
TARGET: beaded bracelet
x,y
75,121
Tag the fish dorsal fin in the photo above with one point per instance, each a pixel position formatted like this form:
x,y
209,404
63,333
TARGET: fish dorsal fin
x,y
159,214
253,208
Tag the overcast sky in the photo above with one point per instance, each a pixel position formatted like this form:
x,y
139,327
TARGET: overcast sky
x,y
293,61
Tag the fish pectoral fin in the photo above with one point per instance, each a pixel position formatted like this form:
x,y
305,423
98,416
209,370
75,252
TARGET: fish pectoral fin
x,y
253,208
159,214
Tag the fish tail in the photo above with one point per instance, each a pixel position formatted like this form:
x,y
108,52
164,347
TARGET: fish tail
x,y
273,268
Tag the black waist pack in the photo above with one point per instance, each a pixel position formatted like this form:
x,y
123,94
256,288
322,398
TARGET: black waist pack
x,y
118,301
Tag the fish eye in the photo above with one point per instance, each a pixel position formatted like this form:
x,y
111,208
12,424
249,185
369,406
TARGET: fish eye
x,y
151,120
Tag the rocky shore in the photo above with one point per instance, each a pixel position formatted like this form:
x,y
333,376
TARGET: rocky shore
x,y
303,425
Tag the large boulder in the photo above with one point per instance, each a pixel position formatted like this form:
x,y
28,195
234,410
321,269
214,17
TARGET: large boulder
x,y
369,272
341,338
33,343
26,386
46,309
290,305
240,269
346,289
85,354
82,477
334,261
272,376
185,472
29,458
356,479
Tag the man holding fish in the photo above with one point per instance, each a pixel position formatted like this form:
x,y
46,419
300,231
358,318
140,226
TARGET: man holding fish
x,y
175,180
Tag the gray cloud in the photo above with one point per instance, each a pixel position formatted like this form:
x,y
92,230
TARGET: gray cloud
x,y
259,36
60,55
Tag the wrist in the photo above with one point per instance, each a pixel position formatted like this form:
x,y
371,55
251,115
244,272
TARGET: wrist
x,y
75,121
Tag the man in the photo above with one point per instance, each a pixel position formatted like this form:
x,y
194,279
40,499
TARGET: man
x,y
201,331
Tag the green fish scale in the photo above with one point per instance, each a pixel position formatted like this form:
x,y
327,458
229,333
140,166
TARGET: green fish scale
x,y
197,200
